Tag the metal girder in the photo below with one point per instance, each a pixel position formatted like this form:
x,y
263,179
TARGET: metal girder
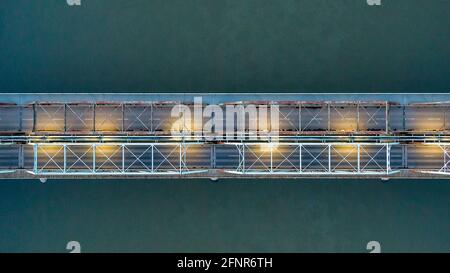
x,y
111,120
144,117
313,158
171,158
117,117
111,159
138,119
80,117
53,117
314,119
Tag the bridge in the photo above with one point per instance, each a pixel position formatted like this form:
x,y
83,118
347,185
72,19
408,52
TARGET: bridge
x,y
132,135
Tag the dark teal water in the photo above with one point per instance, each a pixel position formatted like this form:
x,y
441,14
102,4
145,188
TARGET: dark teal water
x,y
234,46
225,45
246,215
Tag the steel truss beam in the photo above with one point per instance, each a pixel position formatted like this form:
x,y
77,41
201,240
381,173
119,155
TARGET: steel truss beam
x,y
321,115
314,158
119,117
111,159
140,117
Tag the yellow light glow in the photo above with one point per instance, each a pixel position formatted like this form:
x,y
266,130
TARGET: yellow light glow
x,y
346,150
106,150
49,125
269,146
47,156
107,126
50,150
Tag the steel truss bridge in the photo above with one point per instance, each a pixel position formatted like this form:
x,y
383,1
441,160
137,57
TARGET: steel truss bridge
x,y
319,135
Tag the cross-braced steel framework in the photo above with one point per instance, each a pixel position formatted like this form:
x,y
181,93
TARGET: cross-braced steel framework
x,y
314,158
99,116
151,117
171,158
111,159
303,117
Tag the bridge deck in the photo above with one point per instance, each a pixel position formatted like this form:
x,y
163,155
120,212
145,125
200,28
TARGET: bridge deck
x,y
109,135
